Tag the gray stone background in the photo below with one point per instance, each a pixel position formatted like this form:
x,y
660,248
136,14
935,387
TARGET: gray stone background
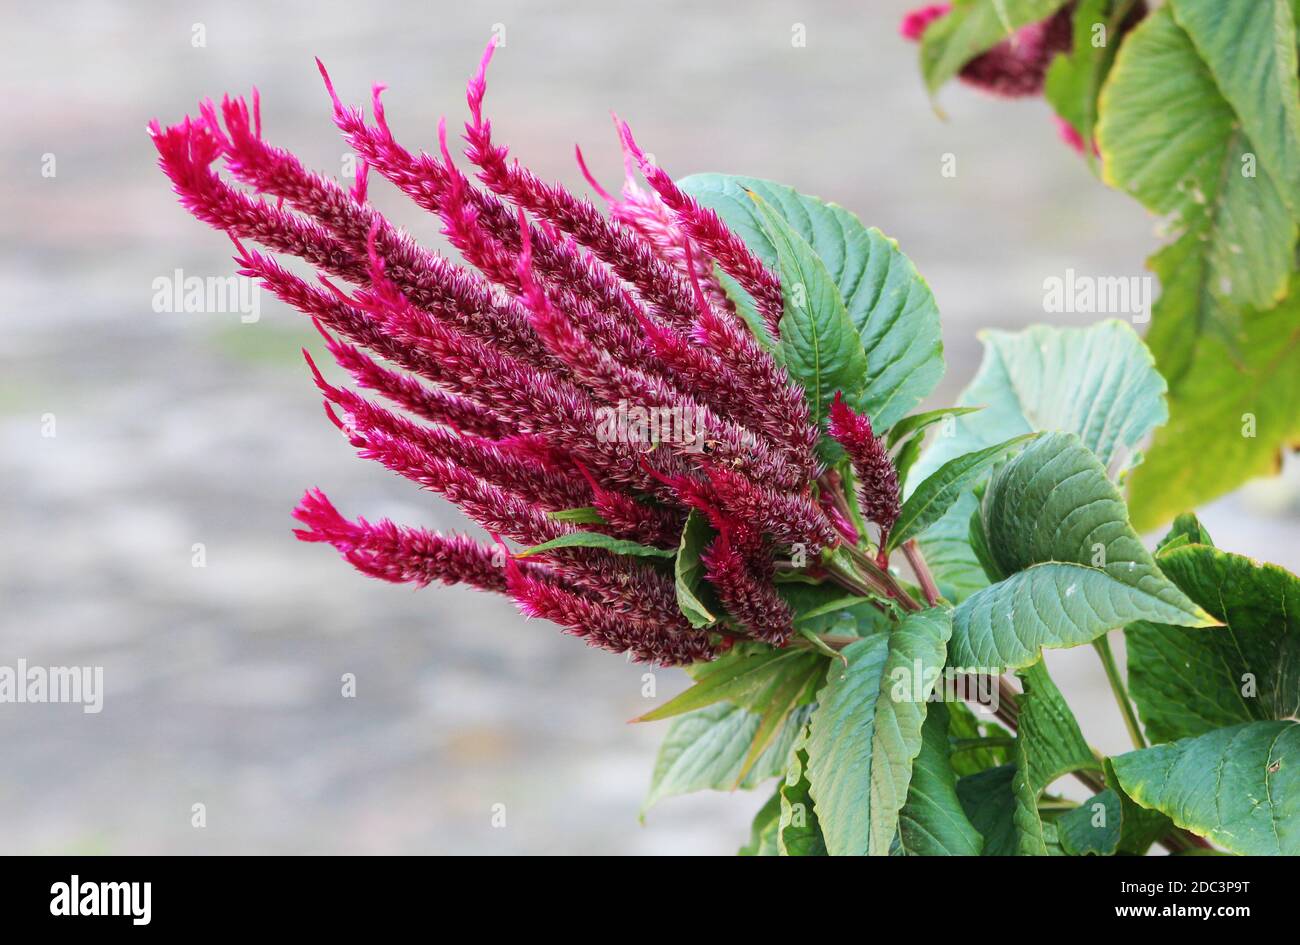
x,y
172,429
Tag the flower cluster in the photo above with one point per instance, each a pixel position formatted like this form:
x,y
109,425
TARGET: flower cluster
x,y
497,379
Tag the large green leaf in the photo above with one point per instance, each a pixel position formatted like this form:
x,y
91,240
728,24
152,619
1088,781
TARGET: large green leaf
x,y
973,27
936,494
1098,382
965,729
1171,139
819,345
1189,682
1242,415
1048,746
867,732
887,300
1250,49
932,821
1056,524
706,750
1238,786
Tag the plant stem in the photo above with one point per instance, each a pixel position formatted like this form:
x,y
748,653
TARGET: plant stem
x,y
1102,646
922,571
873,572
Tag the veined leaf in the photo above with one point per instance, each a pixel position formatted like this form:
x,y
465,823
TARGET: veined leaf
x,y
867,732
972,27
932,821
1238,786
689,573
819,346
706,750
1250,49
890,304
1242,415
1056,524
1169,137
1048,745
1098,382
619,546
937,493
745,678
1189,682
919,422
987,800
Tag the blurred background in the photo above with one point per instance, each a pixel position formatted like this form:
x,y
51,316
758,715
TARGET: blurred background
x,y
181,434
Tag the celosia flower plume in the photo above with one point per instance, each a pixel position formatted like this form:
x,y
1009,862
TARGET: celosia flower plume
x,y
486,380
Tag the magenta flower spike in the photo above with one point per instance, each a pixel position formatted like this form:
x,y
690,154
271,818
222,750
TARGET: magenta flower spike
x,y
878,494
519,382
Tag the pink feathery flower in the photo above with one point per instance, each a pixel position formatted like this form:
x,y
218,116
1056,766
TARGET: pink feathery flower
x,y
496,378
707,229
1016,66
877,478
750,597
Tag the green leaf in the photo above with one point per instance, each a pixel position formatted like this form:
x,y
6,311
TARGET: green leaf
x,y
890,305
1188,682
798,833
618,546
1056,524
932,822
1074,79
1098,382
762,835
746,678
1092,828
987,800
587,515
706,750
689,573
819,346
1188,529
1237,786
1241,414
1250,49
973,27
1170,138
919,422
824,608
965,726
1048,746
867,732
1139,827
936,494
